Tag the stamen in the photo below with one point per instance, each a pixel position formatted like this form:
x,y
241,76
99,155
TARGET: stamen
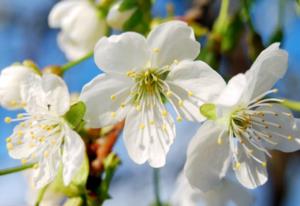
x,y
113,97
156,50
142,126
9,146
7,120
179,118
180,103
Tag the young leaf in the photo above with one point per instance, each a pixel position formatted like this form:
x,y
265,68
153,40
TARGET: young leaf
x,y
75,115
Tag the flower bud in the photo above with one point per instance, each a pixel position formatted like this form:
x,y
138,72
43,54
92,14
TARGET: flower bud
x,y
11,80
81,27
116,18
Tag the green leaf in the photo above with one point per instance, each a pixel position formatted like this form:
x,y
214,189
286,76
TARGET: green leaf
x,y
75,115
209,111
127,4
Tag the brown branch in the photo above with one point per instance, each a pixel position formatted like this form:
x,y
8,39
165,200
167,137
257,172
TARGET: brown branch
x,y
103,146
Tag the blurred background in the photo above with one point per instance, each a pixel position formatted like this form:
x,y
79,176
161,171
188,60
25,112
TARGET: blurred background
x,y
24,34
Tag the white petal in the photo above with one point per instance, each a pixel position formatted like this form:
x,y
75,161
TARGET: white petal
x,y
250,172
227,192
73,154
234,91
284,132
46,94
59,12
191,81
57,93
207,161
149,141
11,80
269,67
102,110
184,194
73,50
121,53
187,106
20,139
170,41
47,170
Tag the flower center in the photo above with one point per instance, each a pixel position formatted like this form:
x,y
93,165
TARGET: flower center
x,y
149,82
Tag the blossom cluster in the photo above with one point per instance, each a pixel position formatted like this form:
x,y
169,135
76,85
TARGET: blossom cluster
x,y
151,82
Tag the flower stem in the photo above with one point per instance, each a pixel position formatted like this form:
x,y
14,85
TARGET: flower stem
x,y
156,187
41,195
71,64
293,105
15,169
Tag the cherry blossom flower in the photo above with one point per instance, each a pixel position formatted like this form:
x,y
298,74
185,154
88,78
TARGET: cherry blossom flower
x,y
43,136
243,127
81,26
141,75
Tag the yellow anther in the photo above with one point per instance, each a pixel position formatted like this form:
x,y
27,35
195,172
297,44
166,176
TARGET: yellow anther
x,y
23,124
146,73
237,165
113,114
13,103
23,104
220,141
46,154
19,142
138,107
9,146
7,120
20,133
156,50
142,126
180,103
8,139
53,141
42,139
23,161
190,93
164,113
176,61
264,164
152,122
113,97
164,127
179,118
20,116
123,105
35,166
131,73
290,137
169,93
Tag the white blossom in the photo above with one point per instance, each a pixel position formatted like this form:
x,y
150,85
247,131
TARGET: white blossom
x,y
116,18
11,80
244,128
43,136
81,26
140,76
225,193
